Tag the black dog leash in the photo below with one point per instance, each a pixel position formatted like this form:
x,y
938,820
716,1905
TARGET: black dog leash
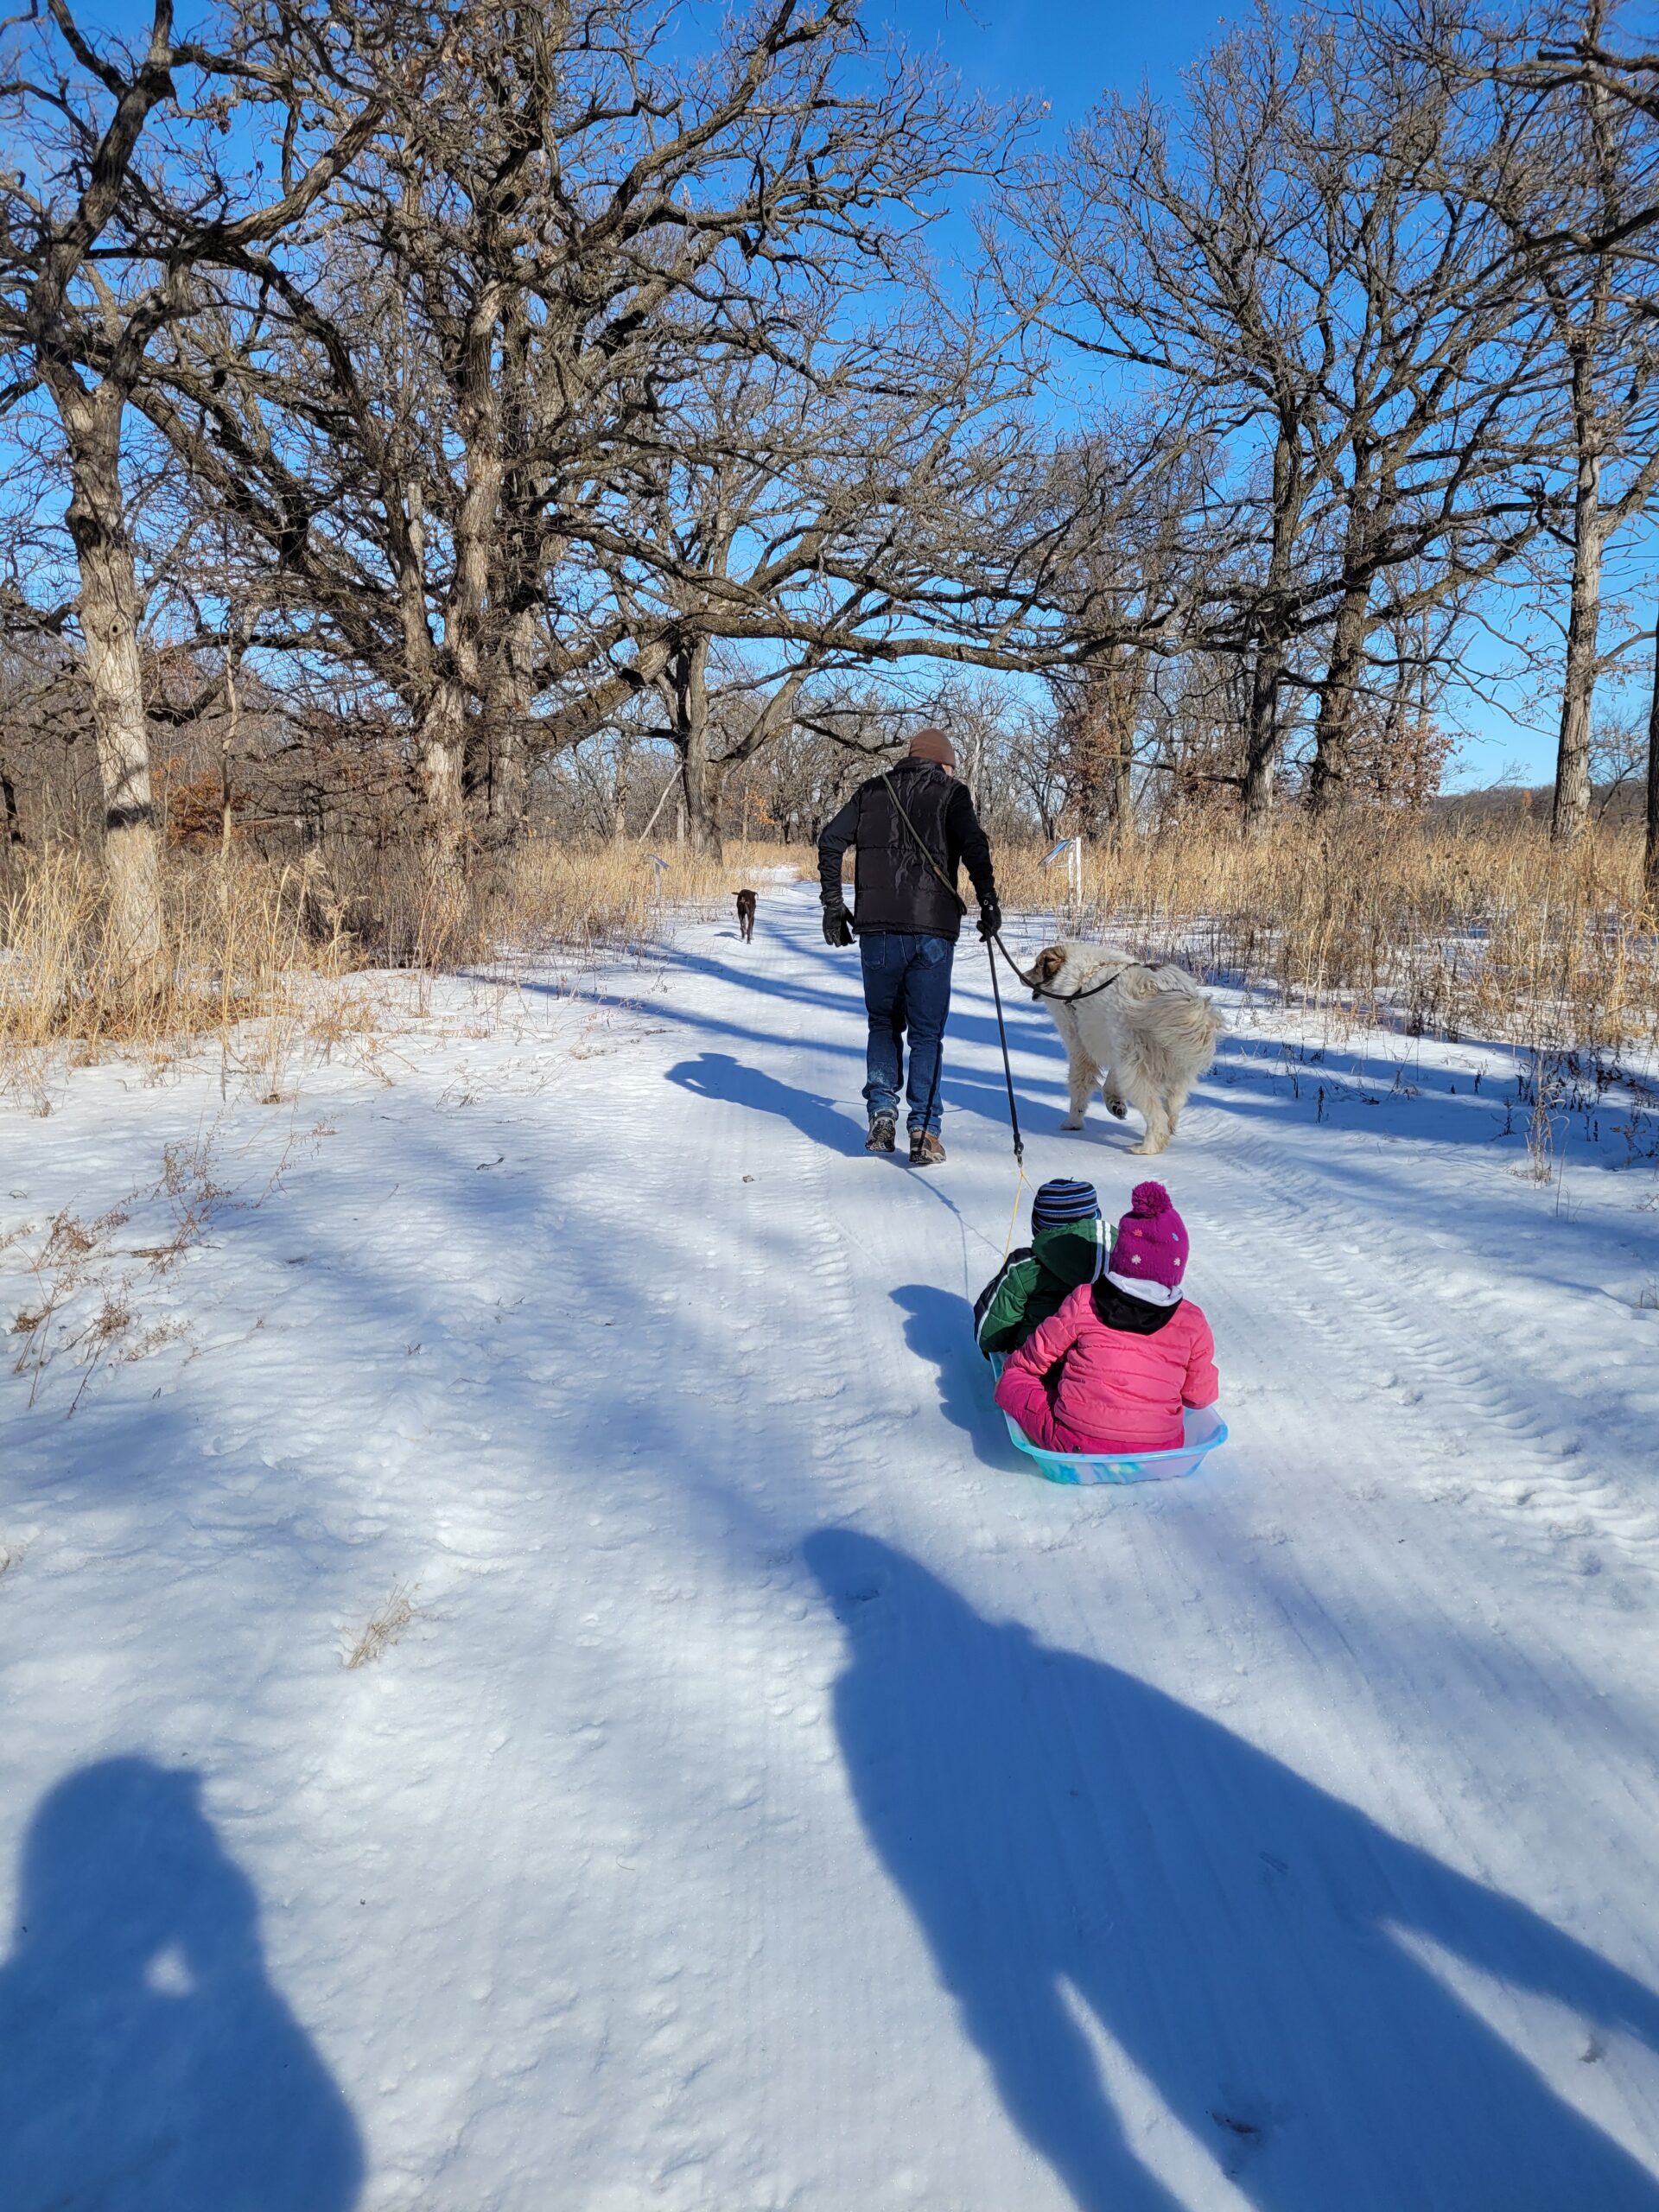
x,y
1007,1070
1063,998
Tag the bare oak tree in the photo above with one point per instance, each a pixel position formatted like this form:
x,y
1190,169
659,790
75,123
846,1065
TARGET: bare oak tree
x,y
1286,259
413,415
98,256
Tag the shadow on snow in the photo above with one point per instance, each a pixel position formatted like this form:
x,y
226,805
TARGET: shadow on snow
x,y
1058,1827
718,1076
146,2061
939,1328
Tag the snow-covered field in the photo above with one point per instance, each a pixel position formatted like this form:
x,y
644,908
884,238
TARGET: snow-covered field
x,y
756,1789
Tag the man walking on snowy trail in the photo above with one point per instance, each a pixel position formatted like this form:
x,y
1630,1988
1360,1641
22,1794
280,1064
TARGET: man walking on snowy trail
x,y
911,827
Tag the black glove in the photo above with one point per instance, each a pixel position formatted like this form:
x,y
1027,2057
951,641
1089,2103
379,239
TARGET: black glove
x,y
990,919
837,927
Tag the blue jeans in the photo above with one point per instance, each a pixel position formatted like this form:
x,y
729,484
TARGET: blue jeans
x,y
907,987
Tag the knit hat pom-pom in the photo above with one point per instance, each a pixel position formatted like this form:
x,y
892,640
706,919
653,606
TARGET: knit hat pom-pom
x,y
1149,1199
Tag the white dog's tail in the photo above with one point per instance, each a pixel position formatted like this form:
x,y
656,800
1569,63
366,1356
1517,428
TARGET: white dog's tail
x,y
1172,1020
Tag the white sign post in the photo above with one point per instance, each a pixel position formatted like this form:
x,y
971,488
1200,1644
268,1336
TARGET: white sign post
x,y
1072,849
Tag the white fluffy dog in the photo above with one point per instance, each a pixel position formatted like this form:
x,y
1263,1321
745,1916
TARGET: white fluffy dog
x,y
1146,1036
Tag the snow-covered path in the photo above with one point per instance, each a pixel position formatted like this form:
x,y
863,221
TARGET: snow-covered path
x,y
779,1797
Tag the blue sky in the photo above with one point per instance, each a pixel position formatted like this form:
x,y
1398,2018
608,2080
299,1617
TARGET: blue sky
x,y
1069,53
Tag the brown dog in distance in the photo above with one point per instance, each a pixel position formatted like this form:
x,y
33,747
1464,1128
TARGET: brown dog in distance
x,y
746,914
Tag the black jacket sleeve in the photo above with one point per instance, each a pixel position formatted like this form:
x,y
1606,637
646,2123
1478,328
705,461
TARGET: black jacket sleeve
x,y
833,841
969,843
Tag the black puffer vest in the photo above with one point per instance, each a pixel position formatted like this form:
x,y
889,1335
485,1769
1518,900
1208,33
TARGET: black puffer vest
x,y
894,887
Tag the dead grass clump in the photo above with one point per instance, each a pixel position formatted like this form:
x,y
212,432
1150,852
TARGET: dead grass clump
x,y
69,1269
187,1185
383,1629
69,1255
239,947
85,1307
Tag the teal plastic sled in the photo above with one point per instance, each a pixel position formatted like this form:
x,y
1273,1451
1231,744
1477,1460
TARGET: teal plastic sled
x,y
1205,1431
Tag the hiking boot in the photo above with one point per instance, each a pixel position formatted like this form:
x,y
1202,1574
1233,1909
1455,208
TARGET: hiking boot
x,y
883,1133
925,1150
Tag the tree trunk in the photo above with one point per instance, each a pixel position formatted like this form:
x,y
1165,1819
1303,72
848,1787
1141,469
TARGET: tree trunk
x,y
226,757
1334,727
1121,789
702,782
701,778
1098,747
9,798
475,670
509,791
1263,733
1571,809
1651,850
110,612
440,748
1262,736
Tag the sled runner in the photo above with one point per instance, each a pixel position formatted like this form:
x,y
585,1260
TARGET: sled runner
x,y
1205,1431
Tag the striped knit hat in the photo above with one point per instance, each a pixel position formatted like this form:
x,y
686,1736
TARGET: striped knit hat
x,y
1061,1201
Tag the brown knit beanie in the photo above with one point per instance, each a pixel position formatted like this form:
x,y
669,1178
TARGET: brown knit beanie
x,y
933,745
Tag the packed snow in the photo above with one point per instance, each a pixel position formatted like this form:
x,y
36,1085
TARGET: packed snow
x,y
535,1678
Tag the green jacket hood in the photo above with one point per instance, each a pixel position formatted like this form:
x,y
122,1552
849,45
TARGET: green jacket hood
x,y
1076,1251
1036,1281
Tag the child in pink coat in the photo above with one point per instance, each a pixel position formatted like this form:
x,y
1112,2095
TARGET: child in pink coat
x,y
1112,1370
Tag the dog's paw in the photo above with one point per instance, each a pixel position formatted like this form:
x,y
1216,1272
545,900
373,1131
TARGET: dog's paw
x,y
1145,1147
1072,1121
1114,1106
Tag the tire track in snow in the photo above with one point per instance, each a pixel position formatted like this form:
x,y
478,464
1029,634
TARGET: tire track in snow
x,y
1439,1386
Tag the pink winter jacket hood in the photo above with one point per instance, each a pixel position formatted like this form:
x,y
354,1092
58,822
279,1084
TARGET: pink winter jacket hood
x,y
1122,1389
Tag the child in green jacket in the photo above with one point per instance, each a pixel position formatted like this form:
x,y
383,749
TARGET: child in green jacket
x,y
1069,1245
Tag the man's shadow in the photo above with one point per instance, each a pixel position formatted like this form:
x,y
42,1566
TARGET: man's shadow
x,y
717,1075
1244,1937
146,2062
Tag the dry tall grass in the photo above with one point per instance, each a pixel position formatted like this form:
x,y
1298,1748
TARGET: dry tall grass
x,y
1483,932
259,954
234,940
1451,932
